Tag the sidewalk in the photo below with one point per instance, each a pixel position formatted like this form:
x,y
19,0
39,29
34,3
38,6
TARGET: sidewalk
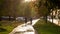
x,y
25,28
55,21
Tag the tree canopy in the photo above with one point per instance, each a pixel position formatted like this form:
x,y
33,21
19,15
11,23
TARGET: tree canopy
x,y
48,4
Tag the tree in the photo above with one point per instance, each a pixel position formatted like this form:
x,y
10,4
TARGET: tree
x,y
1,7
42,9
52,5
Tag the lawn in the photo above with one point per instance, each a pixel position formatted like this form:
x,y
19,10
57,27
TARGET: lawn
x,y
46,28
7,26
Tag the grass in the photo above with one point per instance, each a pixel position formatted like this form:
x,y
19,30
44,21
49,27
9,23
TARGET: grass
x,y
46,28
6,26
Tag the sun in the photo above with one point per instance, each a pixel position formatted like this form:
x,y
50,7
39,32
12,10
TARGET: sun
x,y
27,0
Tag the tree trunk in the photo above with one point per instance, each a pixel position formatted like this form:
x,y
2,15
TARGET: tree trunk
x,y
46,18
52,17
0,18
9,18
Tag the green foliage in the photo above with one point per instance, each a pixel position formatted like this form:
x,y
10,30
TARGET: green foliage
x,y
43,11
1,6
46,28
7,26
1,2
48,4
6,29
2,30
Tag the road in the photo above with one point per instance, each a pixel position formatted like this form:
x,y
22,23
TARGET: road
x,y
26,28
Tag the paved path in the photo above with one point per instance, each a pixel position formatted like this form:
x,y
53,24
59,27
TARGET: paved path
x,y
55,21
25,28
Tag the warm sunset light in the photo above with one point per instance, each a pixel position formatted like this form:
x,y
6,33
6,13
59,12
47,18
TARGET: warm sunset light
x,y
29,0
29,16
